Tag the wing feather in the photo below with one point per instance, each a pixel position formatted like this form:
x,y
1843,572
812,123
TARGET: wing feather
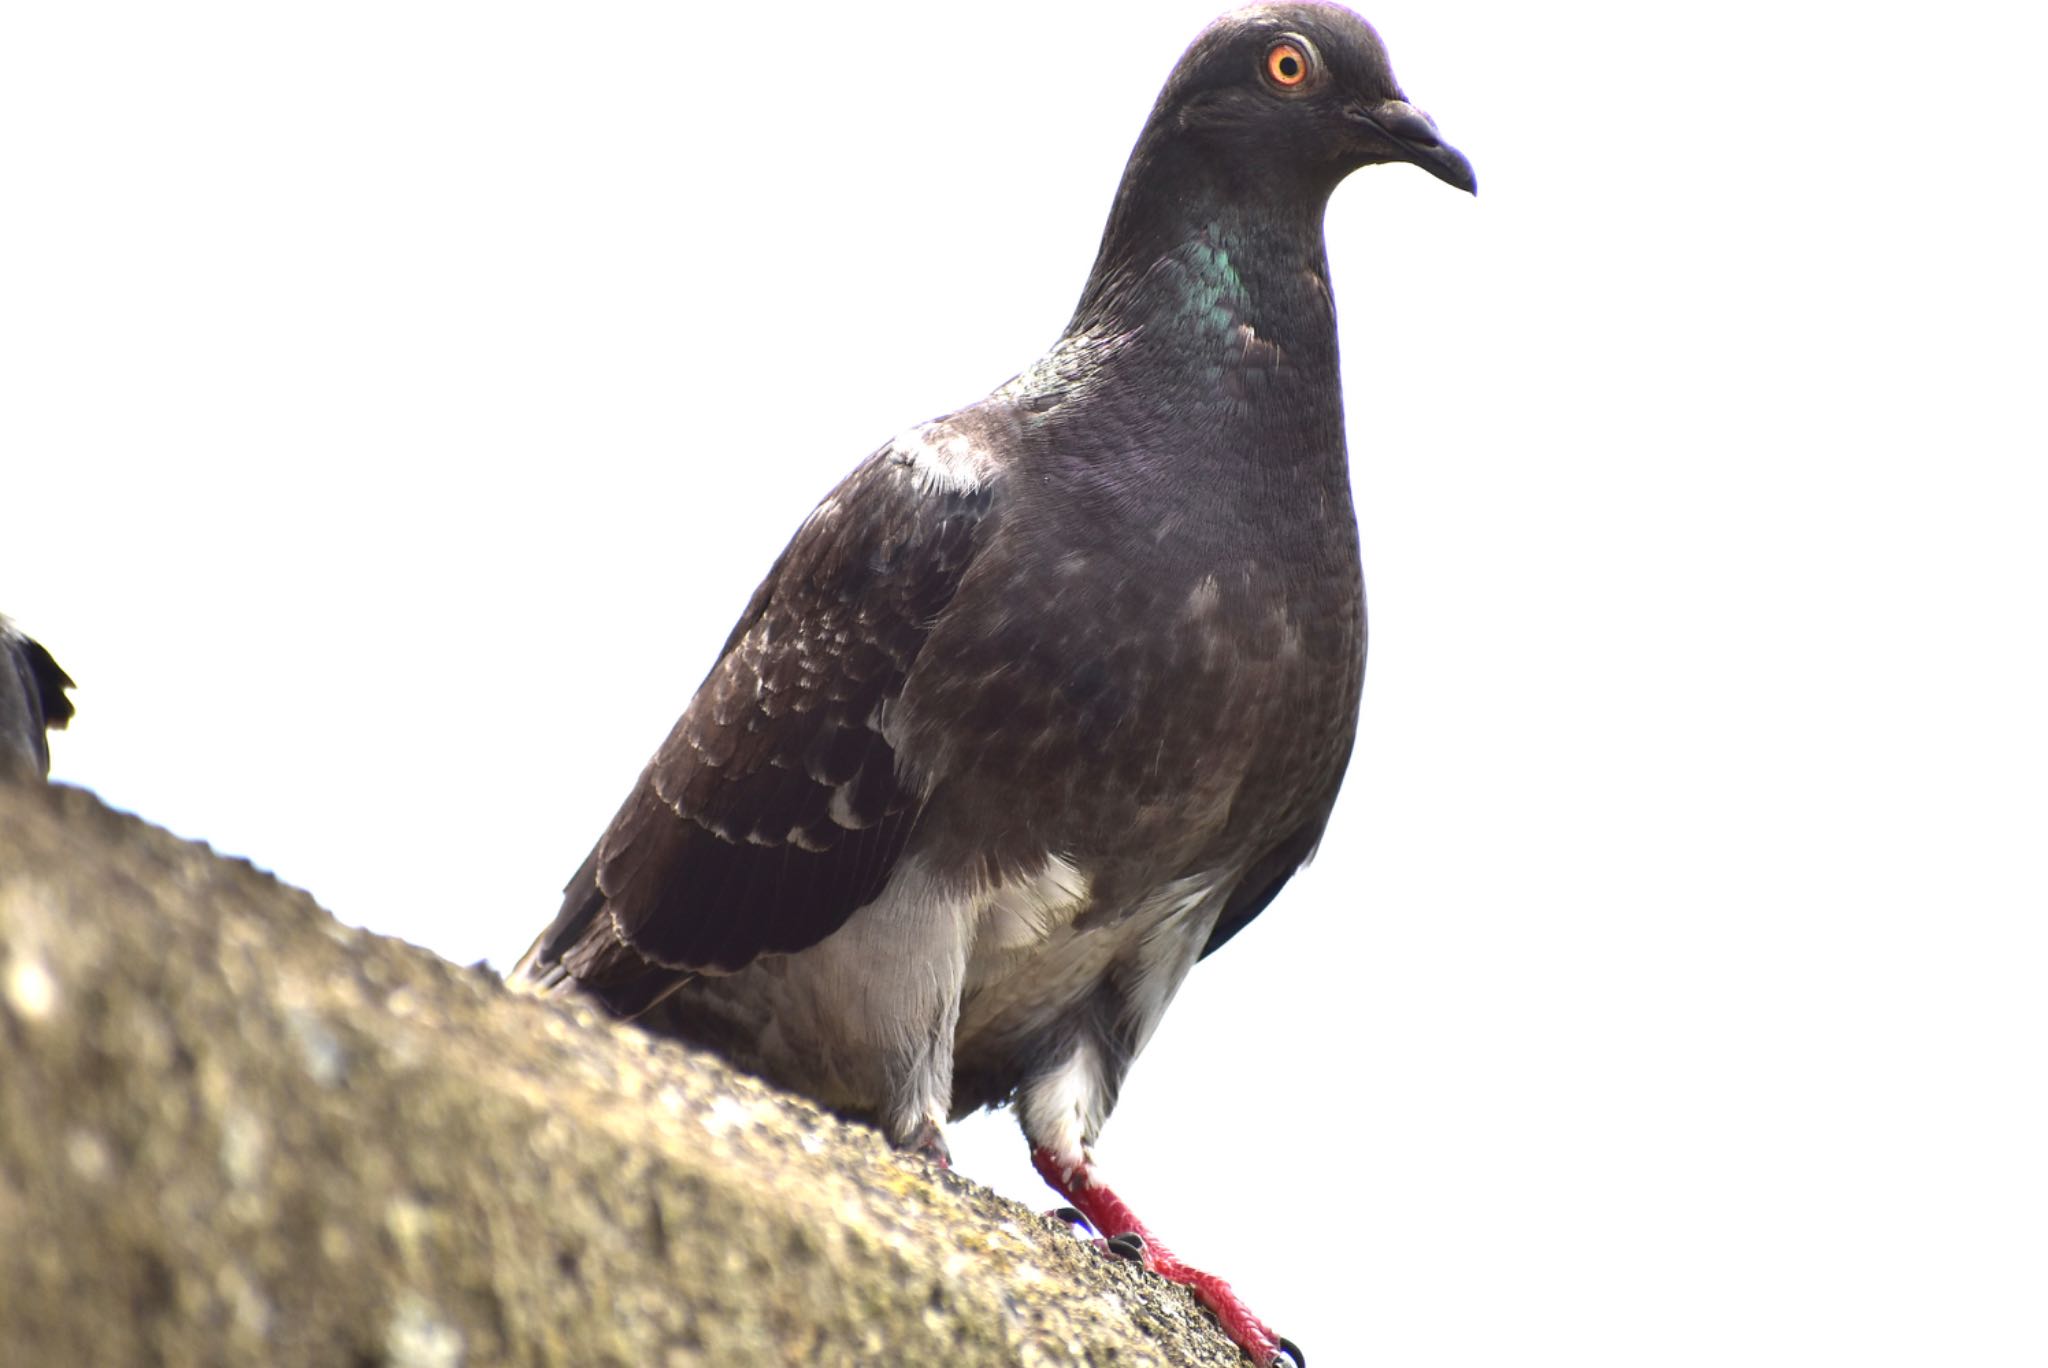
x,y
1264,880
777,806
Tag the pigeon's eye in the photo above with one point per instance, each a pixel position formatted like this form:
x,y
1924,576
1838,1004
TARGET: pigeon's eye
x,y
1287,64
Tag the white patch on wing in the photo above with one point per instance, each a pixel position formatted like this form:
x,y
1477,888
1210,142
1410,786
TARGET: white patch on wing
x,y
943,459
1027,910
1204,597
840,809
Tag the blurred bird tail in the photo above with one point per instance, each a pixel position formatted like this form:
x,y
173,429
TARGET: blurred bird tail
x,y
608,972
540,971
539,975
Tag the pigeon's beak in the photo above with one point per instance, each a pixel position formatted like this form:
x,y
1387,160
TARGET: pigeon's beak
x,y
1414,136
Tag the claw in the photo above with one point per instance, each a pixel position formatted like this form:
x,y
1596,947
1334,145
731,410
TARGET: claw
x,y
1130,1245
1069,1216
1292,1355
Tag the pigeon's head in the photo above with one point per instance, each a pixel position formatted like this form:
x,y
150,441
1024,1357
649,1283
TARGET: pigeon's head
x,y
1299,91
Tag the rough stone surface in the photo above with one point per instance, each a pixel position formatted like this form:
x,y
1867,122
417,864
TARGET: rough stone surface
x,y
234,1131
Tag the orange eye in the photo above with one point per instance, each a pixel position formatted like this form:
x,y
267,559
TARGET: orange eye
x,y
1287,64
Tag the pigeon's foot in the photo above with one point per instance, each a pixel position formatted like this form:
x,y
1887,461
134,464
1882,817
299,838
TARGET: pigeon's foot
x,y
1074,1221
1127,1246
1127,1238
929,1140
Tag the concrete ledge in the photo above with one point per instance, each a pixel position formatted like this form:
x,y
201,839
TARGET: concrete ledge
x,y
233,1131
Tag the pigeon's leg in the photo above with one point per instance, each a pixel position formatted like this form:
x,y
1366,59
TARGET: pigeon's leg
x,y
1078,1181
1061,1112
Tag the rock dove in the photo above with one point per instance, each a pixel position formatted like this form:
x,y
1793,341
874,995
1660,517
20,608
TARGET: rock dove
x,y
32,702
1052,695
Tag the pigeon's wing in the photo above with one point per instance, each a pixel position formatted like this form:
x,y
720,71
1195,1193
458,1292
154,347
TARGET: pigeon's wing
x,y
776,808
1264,880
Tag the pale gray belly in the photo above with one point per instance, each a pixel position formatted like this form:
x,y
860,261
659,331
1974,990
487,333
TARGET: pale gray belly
x,y
1108,977
838,1021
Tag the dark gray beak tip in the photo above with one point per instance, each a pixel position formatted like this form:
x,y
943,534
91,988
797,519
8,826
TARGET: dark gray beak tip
x,y
1452,169
1412,131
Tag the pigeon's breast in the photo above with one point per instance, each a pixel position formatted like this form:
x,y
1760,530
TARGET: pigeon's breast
x,y
1152,701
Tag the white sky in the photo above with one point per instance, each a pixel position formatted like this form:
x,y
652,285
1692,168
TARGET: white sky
x,y
398,402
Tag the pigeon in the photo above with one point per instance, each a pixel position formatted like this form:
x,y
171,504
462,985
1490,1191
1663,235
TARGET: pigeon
x,y
32,703
1052,695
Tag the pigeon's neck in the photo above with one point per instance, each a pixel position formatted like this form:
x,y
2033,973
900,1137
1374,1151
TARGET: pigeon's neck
x,y
1197,256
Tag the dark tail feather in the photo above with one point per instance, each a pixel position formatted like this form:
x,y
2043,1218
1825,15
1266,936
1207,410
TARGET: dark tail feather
x,y
540,970
578,955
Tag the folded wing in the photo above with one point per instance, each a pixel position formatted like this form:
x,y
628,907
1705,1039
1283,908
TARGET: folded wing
x,y
777,807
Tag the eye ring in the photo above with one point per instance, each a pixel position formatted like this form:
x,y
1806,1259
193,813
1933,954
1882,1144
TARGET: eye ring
x,y
1289,63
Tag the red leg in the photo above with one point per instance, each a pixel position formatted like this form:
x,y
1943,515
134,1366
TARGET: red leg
x,y
1111,1216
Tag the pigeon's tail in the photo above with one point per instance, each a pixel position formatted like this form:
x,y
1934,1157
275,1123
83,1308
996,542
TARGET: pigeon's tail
x,y
538,975
540,970
580,955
